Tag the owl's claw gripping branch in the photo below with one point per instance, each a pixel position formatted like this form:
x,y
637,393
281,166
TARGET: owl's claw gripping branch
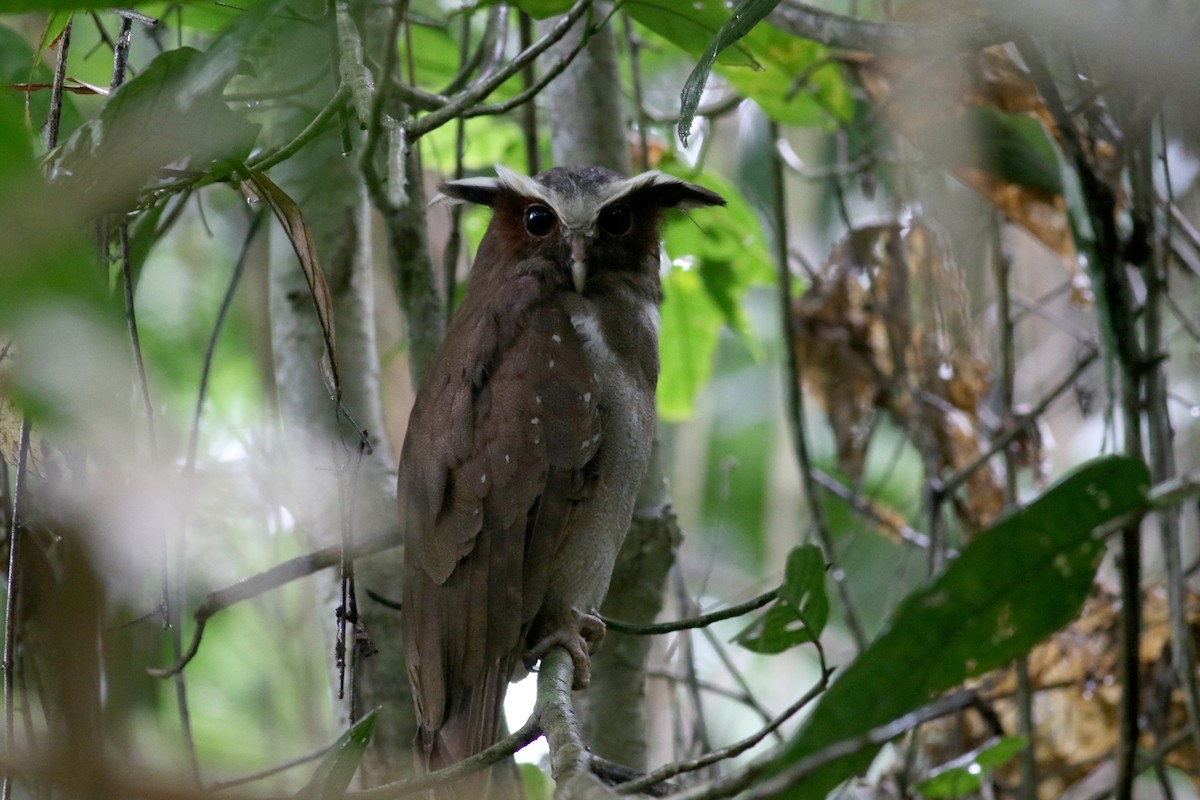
x,y
580,637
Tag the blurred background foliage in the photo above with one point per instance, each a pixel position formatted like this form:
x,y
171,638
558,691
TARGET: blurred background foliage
x,y
993,264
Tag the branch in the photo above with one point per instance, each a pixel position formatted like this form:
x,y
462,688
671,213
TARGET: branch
x,y
469,97
529,732
737,748
907,38
569,757
777,785
1020,424
273,578
701,621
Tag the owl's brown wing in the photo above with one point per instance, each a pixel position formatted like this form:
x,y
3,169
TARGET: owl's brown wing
x,y
496,454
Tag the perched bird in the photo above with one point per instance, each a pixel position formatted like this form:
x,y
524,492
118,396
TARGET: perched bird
x,y
528,440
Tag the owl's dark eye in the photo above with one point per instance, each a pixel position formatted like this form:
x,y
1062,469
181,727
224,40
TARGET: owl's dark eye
x,y
616,220
539,220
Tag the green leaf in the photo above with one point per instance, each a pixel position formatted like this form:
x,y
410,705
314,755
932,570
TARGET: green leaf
x,y
963,775
337,767
804,586
800,613
797,84
691,323
170,113
1012,147
538,785
691,26
745,16
1014,585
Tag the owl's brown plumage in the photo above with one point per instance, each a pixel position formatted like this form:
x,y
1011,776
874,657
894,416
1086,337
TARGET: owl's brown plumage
x,y
528,439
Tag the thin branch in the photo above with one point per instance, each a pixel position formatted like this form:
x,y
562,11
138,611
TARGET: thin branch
x,y
269,771
901,38
463,101
692,622
730,751
273,578
135,341
318,125
54,118
749,782
795,397
1020,423
11,594
518,739
531,90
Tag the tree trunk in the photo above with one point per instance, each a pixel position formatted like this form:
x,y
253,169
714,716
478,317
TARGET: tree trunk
x,y
339,485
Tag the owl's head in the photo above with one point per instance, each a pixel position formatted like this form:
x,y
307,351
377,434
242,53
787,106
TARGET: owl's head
x,y
584,218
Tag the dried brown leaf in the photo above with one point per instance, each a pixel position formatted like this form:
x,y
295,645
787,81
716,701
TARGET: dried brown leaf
x,y
292,220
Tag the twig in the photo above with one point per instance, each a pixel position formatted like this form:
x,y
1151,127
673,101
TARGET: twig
x,y
11,594
461,102
750,780
279,575
1008,369
135,341
318,124
54,118
529,732
1117,308
795,398
529,110
692,622
1020,423
217,786
730,751
896,38
522,98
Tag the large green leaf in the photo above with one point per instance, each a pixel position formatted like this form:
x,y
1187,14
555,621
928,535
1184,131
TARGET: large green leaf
x,y
1013,147
691,323
716,256
1013,586
171,113
745,16
691,26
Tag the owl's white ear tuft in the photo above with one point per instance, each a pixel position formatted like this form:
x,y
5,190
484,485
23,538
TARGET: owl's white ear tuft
x,y
671,192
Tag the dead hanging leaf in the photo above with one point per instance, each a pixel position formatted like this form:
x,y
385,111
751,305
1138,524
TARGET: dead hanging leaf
x,y
980,116
1075,680
11,419
886,327
289,216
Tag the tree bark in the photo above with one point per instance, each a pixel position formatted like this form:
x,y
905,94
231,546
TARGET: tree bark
x,y
339,485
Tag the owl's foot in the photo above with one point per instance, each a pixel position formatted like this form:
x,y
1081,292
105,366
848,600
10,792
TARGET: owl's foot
x,y
578,636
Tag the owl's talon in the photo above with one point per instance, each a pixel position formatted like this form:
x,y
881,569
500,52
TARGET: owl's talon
x,y
578,637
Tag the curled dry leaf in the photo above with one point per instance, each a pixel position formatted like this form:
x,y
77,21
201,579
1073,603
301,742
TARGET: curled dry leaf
x,y
980,115
886,327
260,187
1075,680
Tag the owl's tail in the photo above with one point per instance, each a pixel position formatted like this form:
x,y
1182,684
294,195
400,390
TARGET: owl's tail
x,y
471,726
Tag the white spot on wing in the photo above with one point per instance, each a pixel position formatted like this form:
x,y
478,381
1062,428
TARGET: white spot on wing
x,y
535,421
587,397
556,338
483,478
552,363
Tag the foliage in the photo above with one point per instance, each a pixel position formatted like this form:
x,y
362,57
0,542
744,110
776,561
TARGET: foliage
x,y
186,402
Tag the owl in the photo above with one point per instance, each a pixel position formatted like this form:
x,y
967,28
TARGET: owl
x,y
529,437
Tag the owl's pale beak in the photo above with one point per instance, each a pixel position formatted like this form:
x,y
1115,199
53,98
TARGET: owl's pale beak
x,y
578,264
